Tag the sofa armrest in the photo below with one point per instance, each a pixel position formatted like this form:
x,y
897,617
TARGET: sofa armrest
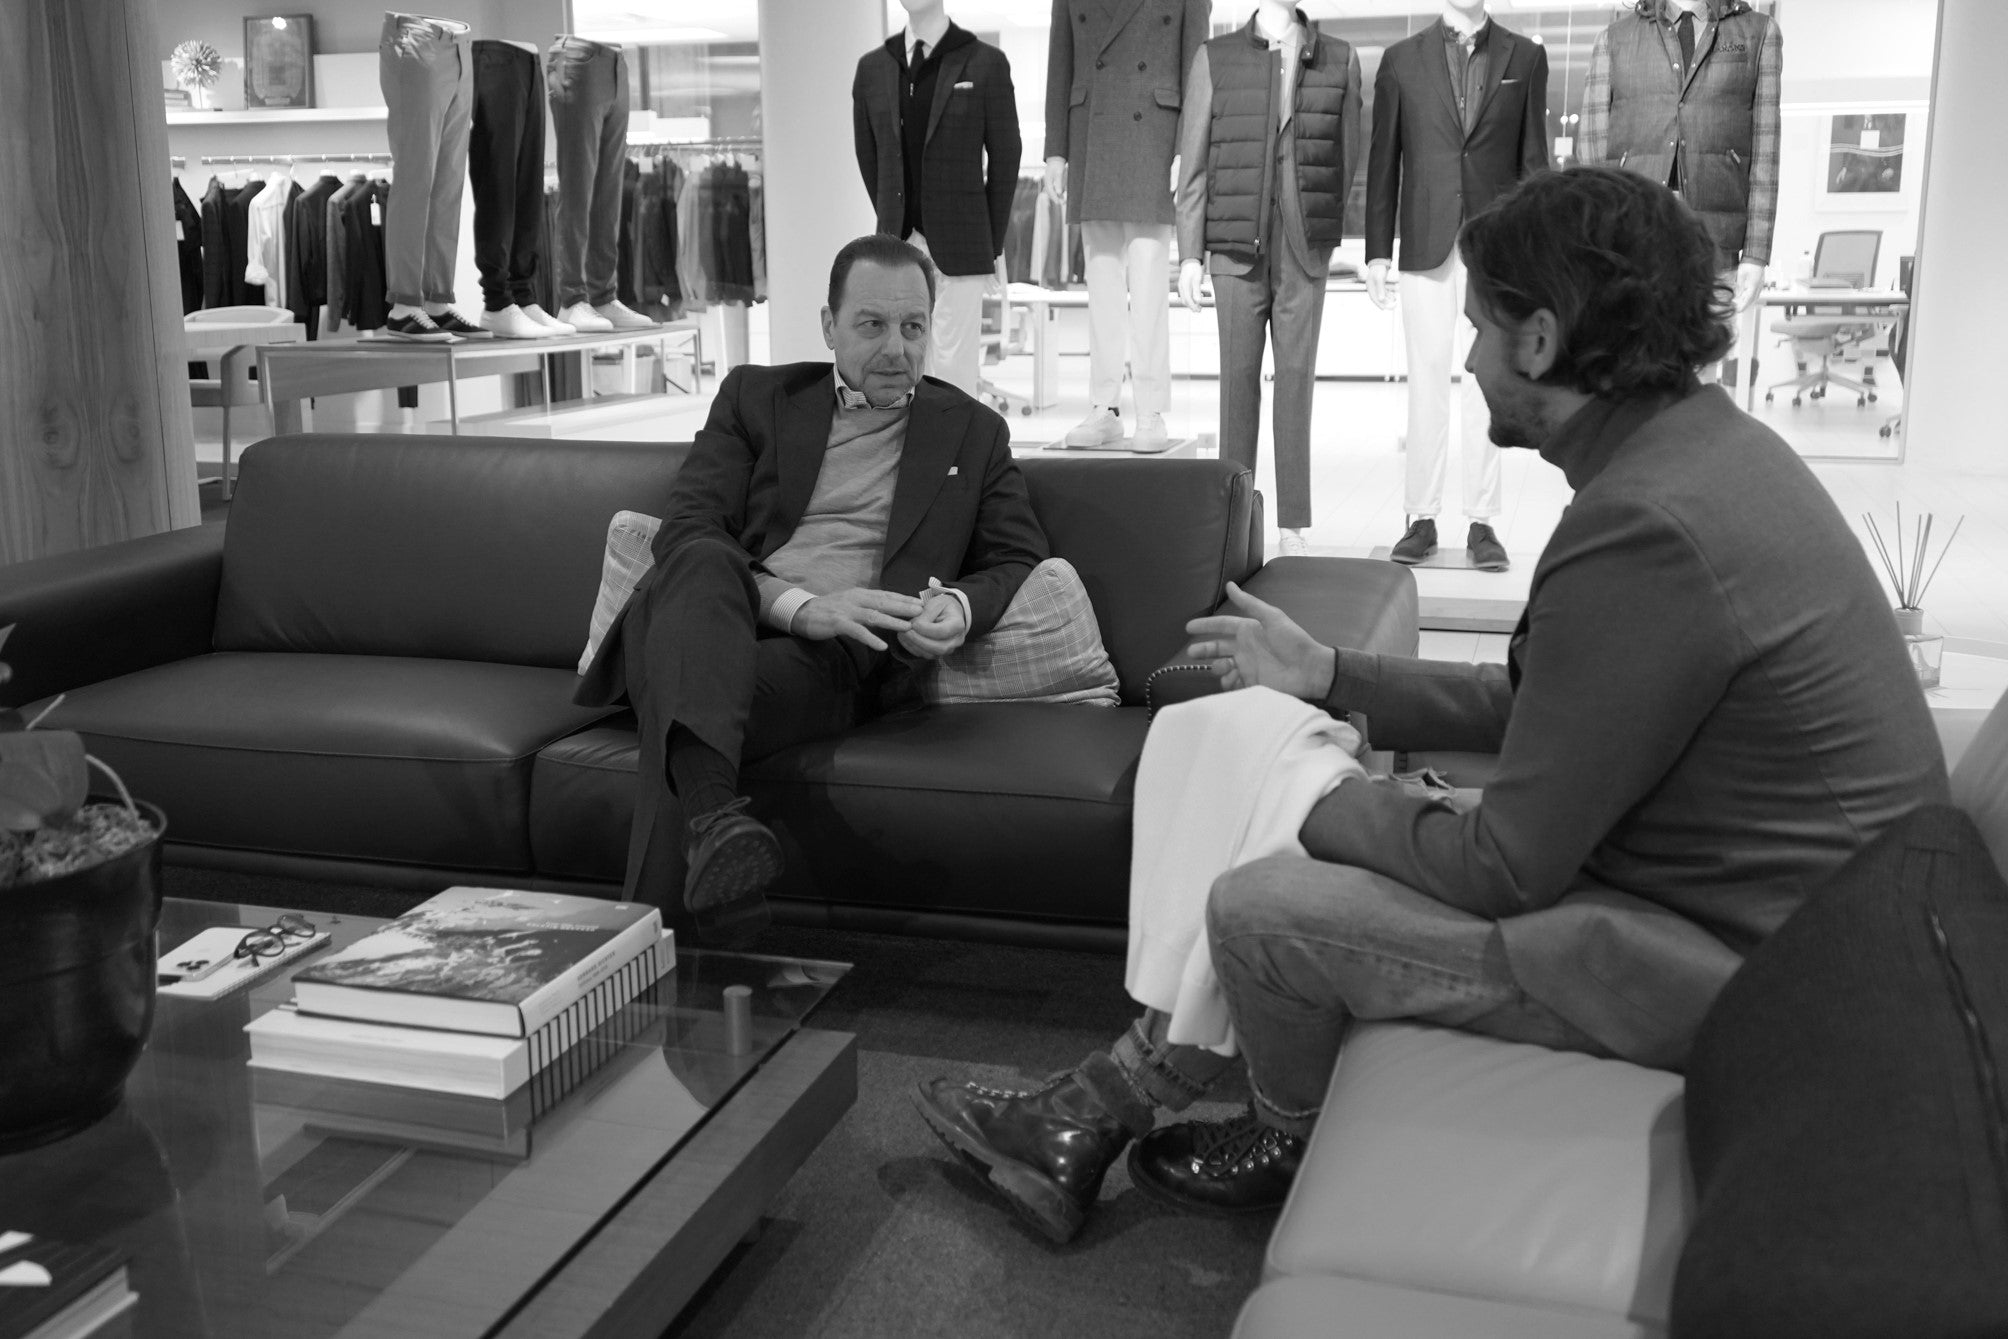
x,y
1361,604
98,613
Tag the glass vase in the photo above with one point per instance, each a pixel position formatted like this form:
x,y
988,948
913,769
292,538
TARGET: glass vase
x,y
1926,650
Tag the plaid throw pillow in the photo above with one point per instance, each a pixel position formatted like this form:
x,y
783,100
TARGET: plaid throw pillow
x,y
627,560
1046,648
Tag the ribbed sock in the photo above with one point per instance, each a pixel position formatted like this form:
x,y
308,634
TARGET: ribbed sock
x,y
704,779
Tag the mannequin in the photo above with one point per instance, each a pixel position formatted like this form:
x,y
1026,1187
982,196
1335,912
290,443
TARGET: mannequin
x,y
426,70
1113,73
1278,93
505,167
938,146
1718,107
1460,115
586,84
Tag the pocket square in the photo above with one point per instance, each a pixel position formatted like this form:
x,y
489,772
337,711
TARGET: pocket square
x,y
954,470
967,83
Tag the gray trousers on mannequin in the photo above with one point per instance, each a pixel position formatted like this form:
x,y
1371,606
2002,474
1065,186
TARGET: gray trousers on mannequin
x,y
1276,297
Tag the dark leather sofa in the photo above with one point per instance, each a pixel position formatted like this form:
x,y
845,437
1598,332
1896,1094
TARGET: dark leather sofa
x,y
366,675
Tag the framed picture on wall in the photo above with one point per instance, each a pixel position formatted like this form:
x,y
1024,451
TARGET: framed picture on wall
x,y
279,61
1865,165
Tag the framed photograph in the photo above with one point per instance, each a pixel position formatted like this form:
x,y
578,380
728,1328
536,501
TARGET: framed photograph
x,y
1864,166
279,61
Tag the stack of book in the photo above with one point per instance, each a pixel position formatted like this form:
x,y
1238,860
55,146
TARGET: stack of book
x,y
59,1290
474,992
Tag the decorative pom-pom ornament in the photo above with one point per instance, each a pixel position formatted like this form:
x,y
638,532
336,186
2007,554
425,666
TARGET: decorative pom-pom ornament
x,y
196,65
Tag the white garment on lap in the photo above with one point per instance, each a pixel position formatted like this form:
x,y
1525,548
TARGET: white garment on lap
x,y
1223,780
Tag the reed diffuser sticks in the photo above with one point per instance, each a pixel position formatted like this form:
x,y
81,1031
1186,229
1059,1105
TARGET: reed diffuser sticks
x,y
1905,562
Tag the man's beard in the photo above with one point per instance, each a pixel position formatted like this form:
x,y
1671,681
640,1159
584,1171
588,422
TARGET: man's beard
x,y
1515,419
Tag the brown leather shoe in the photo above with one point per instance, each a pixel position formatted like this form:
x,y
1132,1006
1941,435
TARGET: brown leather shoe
x,y
731,858
1233,1166
1045,1151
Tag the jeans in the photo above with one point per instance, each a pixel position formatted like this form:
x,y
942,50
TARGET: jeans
x,y
428,85
587,83
1302,948
505,164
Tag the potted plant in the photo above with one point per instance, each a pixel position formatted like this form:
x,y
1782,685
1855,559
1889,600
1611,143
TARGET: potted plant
x,y
79,903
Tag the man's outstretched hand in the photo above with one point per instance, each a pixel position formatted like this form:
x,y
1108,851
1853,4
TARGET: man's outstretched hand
x,y
854,613
1259,646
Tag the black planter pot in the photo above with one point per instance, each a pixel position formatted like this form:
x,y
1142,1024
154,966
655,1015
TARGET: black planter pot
x,y
76,992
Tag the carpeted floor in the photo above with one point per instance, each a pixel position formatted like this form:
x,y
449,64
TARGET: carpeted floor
x,y
883,1232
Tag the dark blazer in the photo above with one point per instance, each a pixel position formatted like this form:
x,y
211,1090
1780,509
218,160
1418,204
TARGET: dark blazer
x,y
975,113
754,464
1422,160
188,248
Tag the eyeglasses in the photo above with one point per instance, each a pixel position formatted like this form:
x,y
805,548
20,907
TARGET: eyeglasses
x,y
290,929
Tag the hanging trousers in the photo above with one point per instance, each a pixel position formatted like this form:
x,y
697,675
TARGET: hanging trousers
x,y
1129,312
1438,339
505,164
587,83
427,76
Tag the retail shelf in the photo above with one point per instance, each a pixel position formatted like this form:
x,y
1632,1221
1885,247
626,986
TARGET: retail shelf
x,y
276,115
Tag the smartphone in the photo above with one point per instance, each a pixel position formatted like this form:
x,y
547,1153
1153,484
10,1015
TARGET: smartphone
x,y
209,952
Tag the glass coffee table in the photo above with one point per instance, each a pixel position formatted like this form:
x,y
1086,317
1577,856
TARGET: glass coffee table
x,y
256,1203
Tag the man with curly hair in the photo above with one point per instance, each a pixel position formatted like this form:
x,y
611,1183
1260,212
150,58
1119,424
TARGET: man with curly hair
x,y
1705,710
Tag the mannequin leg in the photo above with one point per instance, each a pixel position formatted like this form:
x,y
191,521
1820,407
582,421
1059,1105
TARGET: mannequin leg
x,y
419,75
1298,315
1480,457
603,237
1242,303
576,113
1146,263
1108,311
1428,319
955,337
449,178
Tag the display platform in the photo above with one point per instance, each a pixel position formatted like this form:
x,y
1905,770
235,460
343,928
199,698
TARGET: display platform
x,y
1178,446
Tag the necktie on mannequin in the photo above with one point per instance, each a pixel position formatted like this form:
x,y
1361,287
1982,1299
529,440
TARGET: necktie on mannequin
x,y
920,51
1686,30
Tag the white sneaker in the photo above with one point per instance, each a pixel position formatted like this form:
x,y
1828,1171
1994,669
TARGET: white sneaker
x,y
543,318
1102,427
1150,436
1294,545
623,317
585,320
511,323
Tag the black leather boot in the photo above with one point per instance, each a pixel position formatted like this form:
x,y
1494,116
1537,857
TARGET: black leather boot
x,y
1045,1151
1227,1167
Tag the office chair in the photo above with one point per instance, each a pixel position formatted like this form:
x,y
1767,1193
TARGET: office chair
x,y
236,379
1845,259
1899,342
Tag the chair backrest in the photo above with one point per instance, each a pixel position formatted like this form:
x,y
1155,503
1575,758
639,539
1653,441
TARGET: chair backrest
x,y
1848,254
243,315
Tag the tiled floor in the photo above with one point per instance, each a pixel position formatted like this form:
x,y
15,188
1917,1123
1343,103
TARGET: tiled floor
x,y
1357,472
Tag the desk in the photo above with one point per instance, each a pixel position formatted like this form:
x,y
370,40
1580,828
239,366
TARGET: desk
x,y
1968,687
292,373
1874,305
221,342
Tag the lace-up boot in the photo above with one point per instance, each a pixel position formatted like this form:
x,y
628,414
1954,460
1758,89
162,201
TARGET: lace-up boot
x,y
1233,1166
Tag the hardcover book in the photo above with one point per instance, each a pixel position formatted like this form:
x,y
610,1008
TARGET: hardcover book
x,y
53,1289
495,961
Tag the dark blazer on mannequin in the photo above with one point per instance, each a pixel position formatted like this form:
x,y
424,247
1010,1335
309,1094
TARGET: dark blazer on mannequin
x,y
965,206
1115,71
1423,164
959,504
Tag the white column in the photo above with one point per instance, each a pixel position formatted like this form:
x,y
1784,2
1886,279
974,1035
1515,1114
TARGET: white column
x,y
815,200
1952,416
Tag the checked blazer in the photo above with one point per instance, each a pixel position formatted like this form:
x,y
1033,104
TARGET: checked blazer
x,y
1423,167
965,203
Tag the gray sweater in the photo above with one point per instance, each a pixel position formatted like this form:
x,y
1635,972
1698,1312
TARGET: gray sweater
x,y
1706,710
840,542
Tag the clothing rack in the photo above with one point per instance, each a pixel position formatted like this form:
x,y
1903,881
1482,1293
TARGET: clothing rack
x,y
243,159
732,143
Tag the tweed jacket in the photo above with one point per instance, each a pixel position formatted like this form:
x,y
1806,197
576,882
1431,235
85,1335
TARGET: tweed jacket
x,y
1705,711
969,167
1422,168
1723,120
960,509
1114,77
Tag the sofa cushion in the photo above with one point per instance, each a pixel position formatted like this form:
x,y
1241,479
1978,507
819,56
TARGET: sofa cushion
x,y
1154,541
1457,1163
1342,1308
458,548
368,757
1014,809
1046,648
1846,1108
627,560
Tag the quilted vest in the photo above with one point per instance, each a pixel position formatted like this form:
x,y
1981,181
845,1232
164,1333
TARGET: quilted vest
x,y
1710,124
1243,140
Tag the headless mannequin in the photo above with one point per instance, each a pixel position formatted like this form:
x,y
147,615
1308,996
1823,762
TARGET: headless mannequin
x,y
927,21
431,308
1749,274
1461,16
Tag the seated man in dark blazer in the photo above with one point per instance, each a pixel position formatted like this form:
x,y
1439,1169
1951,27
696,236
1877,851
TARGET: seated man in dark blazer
x,y
832,529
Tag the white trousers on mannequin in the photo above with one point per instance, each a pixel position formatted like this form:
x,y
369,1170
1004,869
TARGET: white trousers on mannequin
x,y
1129,312
1439,339
956,351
